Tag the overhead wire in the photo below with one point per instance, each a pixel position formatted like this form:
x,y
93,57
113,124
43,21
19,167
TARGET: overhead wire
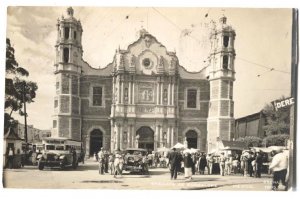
x,y
206,15
270,69
263,66
111,32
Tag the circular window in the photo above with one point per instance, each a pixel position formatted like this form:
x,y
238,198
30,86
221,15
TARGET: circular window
x,y
146,62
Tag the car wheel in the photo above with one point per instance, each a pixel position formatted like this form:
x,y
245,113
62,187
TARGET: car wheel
x,y
41,166
62,166
74,165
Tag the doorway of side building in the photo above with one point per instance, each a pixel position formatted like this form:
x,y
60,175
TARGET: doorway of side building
x,y
96,141
145,136
191,138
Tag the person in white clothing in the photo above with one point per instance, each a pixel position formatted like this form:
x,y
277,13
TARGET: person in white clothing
x,y
101,161
10,158
279,166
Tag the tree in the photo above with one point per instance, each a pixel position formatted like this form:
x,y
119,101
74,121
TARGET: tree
x,y
275,140
278,122
251,141
17,89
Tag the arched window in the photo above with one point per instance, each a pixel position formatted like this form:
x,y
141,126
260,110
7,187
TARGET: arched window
x,y
75,35
225,41
225,62
66,55
67,32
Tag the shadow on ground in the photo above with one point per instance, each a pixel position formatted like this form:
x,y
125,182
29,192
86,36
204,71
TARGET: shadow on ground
x,y
101,181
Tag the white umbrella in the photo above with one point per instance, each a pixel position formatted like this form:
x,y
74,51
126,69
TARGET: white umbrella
x,y
186,151
276,148
163,149
192,150
178,146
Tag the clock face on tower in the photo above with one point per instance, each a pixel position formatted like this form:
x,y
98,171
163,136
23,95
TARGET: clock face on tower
x,y
147,63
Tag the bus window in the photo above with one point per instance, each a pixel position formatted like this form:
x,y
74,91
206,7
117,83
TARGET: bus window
x,y
50,147
59,147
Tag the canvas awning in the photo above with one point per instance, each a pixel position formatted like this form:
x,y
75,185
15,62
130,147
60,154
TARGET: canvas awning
x,y
232,145
179,146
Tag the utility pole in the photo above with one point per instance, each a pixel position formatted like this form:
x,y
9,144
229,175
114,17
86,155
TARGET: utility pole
x,y
25,113
293,116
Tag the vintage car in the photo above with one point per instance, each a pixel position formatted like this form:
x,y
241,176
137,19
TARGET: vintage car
x,y
59,152
136,160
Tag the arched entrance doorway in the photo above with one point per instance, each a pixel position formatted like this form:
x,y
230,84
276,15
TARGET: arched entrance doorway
x,y
191,138
145,138
96,141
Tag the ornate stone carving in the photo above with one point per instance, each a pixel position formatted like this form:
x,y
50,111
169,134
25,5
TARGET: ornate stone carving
x,y
161,61
122,62
173,63
146,94
132,61
146,109
126,95
148,41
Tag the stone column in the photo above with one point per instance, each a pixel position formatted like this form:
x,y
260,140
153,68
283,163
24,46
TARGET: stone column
x,y
173,93
112,136
156,138
122,91
62,32
161,135
70,33
87,146
133,93
172,136
157,93
133,136
129,135
118,137
61,57
168,137
129,92
169,93
121,137
199,142
161,93
114,90
119,89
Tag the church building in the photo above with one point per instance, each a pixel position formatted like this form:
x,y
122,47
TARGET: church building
x,y
144,98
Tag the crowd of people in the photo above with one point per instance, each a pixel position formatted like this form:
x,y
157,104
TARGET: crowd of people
x,y
249,163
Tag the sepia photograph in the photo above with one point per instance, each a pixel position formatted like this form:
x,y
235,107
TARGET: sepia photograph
x,y
150,98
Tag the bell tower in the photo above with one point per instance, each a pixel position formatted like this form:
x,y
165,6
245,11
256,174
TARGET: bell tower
x,y
220,124
67,70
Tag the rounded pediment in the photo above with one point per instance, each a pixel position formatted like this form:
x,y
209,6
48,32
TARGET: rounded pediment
x,y
146,56
147,62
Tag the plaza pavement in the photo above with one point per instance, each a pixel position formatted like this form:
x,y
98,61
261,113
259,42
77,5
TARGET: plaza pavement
x,y
86,176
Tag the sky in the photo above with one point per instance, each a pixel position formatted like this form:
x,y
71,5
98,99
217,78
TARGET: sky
x,y
263,41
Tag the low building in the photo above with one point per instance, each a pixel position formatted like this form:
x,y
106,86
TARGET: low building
x,y
34,135
13,141
250,125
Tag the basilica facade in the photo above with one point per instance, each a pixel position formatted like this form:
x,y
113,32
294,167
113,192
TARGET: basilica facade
x,y
144,98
